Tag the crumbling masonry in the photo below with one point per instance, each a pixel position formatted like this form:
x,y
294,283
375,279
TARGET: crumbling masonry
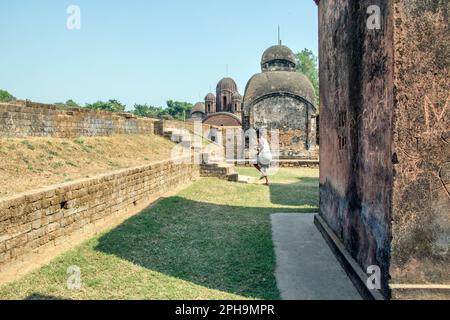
x,y
384,153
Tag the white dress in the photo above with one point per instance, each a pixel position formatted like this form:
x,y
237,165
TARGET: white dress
x,y
265,155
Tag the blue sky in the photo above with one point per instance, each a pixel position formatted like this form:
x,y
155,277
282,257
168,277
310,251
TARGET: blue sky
x,y
142,51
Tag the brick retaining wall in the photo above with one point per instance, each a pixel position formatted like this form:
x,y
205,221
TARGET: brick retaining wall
x,y
35,222
21,119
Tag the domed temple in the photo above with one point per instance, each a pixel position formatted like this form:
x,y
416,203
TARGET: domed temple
x,y
279,98
223,109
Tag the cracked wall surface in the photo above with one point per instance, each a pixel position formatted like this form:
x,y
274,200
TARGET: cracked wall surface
x,y
421,203
384,136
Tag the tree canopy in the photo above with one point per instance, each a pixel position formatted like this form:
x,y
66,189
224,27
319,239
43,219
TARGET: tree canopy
x,y
110,105
149,111
68,104
307,64
5,96
178,109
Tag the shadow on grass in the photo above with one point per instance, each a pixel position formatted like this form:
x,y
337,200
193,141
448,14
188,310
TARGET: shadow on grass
x,y
222,247
306,191
38,296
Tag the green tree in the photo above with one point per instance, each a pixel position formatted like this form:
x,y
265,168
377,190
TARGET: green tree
x,y
68,104
5,96
111,106
72,104
307,64
145,110
179,109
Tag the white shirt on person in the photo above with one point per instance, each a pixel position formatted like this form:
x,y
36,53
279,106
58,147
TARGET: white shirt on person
x,y
264,146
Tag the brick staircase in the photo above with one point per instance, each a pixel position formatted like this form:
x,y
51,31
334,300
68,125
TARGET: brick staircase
x,y
213,164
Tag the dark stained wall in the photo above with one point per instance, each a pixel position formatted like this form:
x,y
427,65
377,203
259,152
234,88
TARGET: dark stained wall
x,y
291,117
356,96
384,138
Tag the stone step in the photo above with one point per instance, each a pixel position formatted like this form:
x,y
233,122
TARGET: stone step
x,y
225,165
235,177
246,179
209,158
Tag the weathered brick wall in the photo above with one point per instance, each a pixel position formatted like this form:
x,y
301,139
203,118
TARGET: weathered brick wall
x,y
384,150
421,153
356,69
36,119
36,222
291,117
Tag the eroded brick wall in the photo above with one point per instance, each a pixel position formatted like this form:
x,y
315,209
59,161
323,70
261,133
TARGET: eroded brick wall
x,y
421,200
36,119
36,222
384,121
356,67
291,118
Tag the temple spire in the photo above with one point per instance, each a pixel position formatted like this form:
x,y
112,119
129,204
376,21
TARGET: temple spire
x,y
279,35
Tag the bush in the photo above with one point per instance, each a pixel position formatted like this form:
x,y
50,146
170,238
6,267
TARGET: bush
x,y
5,96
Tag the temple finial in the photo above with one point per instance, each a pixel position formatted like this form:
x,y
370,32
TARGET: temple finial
x,y
279,35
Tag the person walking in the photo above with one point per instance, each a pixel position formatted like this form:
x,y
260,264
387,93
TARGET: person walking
x,y
264,155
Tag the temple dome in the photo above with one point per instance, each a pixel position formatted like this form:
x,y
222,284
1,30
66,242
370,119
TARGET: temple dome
x,y
278,53
237,96
226,84
198,107
210,97
276,82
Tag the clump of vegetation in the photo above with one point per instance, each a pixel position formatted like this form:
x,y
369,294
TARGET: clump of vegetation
x,y
79,141
5,96
68,104
307,64
71,164
57,165
111,106
175,110
27,162
28,144
148,111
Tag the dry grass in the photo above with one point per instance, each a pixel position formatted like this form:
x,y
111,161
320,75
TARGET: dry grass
x,y
30,163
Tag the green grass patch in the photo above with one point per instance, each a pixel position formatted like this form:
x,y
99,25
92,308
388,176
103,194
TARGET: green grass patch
x,y
71,164
57,165
79,141
210,241
28,145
